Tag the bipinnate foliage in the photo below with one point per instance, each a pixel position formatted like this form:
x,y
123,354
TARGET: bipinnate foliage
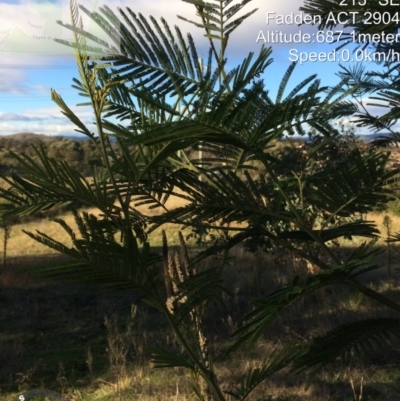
x,y
345,341
369,25
165,102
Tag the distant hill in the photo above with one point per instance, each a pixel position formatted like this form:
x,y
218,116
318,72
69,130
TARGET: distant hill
x,y
371,137
76,151
25,136
30,136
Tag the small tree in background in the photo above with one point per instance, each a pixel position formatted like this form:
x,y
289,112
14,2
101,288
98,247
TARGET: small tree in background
x,y
7,227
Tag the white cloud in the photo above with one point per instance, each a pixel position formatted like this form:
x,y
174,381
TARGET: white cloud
x,y
12,81
48,128
47,121
18,117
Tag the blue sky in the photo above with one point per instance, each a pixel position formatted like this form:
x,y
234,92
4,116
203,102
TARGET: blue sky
x,y
32,63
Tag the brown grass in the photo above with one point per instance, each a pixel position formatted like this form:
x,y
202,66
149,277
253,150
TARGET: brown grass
x,y
20,245
46,329
32,308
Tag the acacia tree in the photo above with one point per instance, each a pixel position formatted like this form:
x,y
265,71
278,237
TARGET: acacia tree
x,y
166,100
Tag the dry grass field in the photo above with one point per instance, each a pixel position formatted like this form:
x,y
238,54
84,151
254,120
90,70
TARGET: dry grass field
x,y
20,245
55,336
